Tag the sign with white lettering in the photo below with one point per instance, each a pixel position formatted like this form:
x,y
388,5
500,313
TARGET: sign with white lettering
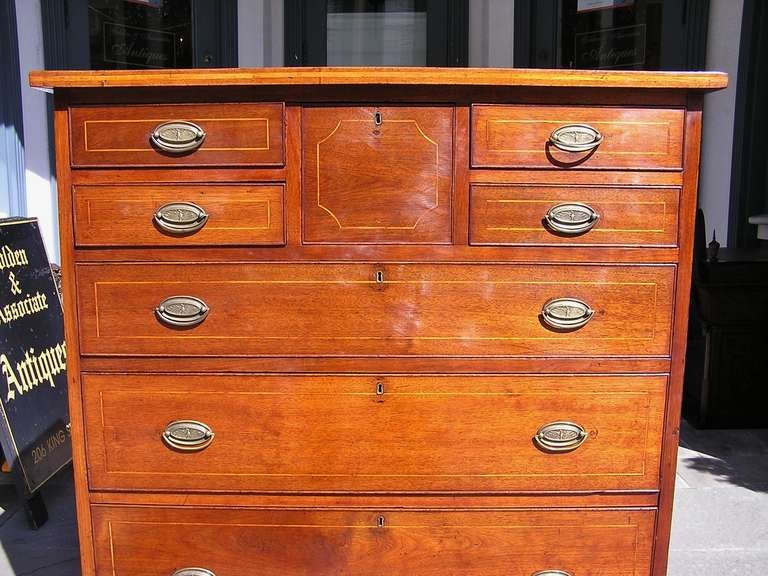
x,y
142,47
33,358
622,47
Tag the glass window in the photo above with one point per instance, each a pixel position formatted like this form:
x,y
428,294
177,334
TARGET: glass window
x,y
377,32
140,34
611,34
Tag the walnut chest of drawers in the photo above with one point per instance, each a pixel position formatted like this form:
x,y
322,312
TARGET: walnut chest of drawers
x,y
356,321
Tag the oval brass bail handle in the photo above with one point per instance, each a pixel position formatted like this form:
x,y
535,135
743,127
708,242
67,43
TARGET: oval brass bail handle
x,y
193,572
576,138
177,137
182,311
566,313
180,217
551,573
571,218
560,437
188,435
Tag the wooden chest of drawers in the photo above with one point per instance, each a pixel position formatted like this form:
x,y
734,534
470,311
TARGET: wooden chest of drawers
x,y
339,321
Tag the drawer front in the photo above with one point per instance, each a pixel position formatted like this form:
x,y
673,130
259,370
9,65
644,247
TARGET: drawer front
x,y
374,310
231,542
179,215
576,215
234,135
366,433
520,137
377,174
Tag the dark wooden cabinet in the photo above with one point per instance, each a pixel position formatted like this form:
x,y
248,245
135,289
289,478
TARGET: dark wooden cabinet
x,y
411,321
725,368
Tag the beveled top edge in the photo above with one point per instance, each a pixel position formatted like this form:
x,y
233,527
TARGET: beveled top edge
x,y
47,79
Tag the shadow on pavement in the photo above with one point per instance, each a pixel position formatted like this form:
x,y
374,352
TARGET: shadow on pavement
x,y
736,457
53,549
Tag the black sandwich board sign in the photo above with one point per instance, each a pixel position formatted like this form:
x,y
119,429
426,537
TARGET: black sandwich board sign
x,y
34,426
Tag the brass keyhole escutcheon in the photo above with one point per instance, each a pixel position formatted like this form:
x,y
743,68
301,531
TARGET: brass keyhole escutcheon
x,y
379,388
380,522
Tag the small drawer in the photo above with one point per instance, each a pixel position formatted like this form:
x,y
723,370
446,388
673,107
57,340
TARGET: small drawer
x,y
179,215
313,433
377,175
576,137
177,135
159,541
512,215
363,310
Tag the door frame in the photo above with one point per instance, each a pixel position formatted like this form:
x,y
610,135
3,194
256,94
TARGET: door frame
x,y
11,116
749,180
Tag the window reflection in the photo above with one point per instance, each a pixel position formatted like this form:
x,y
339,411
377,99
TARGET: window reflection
x,y
377,33
611,34
140,34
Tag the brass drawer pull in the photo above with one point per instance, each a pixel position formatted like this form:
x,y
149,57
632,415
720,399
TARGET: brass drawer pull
x,y
566,313
551,573
180,217
188,435
560,437
178,137
193,572
182,311
576,138
571,218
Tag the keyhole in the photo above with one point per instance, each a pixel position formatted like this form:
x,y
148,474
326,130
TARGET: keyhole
x,y
377,118
379,388
380,522
379,277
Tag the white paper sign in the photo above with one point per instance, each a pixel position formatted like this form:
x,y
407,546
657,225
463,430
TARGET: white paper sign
x,y
588,5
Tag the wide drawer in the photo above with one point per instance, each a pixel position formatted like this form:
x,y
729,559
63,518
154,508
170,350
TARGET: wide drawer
x,y
228,542
574,215
179,215
377,174
373,433
522,136
327,309
222,134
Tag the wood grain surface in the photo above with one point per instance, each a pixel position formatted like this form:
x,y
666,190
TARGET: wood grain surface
x,y
375,309
122,215
236,134
350,76
515,215
229,542
508,136
374,365
374,433
358,189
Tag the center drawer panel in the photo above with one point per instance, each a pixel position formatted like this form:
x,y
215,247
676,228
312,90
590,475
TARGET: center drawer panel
x,y
365,433
328,309
377,174
353,543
